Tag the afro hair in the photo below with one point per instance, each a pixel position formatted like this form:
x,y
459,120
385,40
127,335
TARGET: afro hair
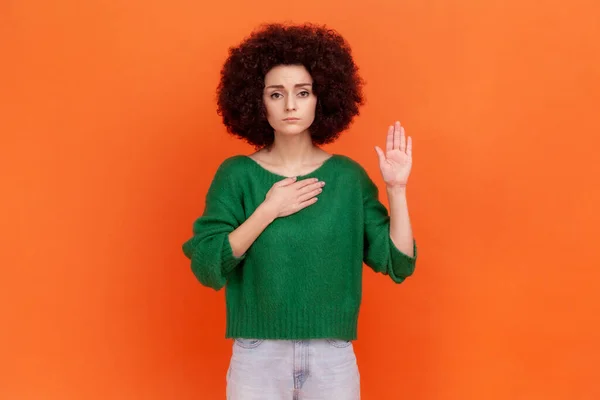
x,y
322,51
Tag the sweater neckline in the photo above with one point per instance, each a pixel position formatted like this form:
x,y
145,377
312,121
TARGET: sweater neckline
x,y
316,170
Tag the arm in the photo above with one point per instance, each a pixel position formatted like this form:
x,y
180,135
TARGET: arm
x,y
395,165
400,229
219,243
380,250
242,238
209,249
222,235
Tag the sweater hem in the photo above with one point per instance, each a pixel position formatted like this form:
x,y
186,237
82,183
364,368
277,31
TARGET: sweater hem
x,y
293,323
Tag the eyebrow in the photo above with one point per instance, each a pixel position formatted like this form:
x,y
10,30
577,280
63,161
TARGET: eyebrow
x,y
281,86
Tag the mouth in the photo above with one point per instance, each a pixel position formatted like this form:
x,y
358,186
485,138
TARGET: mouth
x,y
292,119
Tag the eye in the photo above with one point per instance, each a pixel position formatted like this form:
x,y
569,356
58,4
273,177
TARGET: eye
x,y
303,92
274,95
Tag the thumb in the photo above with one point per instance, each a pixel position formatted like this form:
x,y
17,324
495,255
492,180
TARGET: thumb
x,y
380,154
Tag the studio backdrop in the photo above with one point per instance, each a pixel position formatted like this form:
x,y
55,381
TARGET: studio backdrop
x,y
109,139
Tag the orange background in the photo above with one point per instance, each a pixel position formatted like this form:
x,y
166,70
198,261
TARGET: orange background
x,y
109,140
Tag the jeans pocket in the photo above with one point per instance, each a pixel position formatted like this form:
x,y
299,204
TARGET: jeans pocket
x,y
339,343
248,343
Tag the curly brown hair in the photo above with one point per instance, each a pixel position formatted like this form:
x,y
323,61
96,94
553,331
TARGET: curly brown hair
x,y
321,50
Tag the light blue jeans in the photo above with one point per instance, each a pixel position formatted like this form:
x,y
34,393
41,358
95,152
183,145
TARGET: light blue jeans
x,y
316,369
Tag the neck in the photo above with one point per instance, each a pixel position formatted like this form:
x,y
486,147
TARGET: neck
x,y
293,150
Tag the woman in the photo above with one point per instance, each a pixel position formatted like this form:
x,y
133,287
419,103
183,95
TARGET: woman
x,y
286,229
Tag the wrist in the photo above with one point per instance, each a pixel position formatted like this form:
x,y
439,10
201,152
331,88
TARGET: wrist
x,y
396,189
266,212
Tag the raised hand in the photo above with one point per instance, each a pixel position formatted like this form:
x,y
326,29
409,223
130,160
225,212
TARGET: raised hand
x,y
396,162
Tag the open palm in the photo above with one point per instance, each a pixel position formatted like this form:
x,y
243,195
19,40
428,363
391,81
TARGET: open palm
x,y
396,162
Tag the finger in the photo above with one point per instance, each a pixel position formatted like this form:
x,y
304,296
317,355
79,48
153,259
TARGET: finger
x,y
409,147
305,182
397,135
402,139
309,195
311,187
307,203
286,181
380,154
389,142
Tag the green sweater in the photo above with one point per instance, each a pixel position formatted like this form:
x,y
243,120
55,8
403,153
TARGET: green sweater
x,y
302,277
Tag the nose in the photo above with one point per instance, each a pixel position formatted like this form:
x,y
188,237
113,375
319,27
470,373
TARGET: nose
x,y
290,105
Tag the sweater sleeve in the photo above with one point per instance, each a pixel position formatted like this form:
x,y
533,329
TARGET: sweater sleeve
x,y
380,252
209,249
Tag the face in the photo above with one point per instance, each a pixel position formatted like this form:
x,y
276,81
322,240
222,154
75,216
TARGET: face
x,y
288,94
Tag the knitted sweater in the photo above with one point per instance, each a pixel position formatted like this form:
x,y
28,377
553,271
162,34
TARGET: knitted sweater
x,y
302,277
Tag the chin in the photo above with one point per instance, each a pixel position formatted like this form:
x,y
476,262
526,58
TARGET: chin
x,y
292,130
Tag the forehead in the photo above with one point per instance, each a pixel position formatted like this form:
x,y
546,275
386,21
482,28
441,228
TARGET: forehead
x,y
289,74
